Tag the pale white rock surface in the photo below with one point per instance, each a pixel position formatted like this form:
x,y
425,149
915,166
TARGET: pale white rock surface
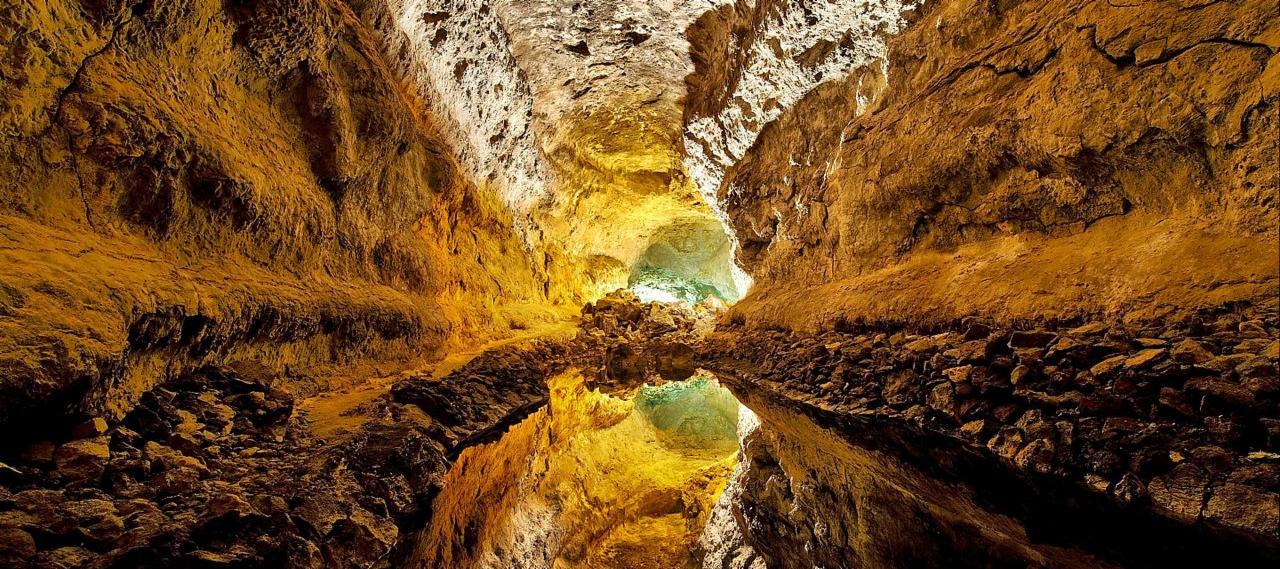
x,y
781,69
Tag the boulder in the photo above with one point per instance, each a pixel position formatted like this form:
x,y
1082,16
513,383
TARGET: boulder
x,y
1245,508
92,428
16,546
82,460
1180,493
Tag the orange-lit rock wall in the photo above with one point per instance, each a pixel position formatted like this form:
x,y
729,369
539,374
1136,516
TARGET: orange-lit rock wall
x,y
245,183
1014,160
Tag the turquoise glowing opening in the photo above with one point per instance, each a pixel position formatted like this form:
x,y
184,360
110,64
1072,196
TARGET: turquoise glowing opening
x,y
689,261
657,284
697,414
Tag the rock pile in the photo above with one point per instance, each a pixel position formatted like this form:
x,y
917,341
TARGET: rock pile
x,y
1179,421
622,343
640,341
212,471
477,402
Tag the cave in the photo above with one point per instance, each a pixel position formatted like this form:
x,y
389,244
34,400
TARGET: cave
x,y
689,262
674,284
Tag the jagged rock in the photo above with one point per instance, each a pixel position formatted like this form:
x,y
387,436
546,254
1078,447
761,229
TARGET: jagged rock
x,y
235,558
1090,329
1253,346
1181,493
1245,508
1007,443
1176,401
1036,456
176,481
1259,368
320,513
1151,342
1213,459
1190,352
902,388
1227,363
82,460
166,458
1144,358
1036,339
968,352
1129,490
360,540
1033,425
1272,428
1224,391
942,398
10,475
92,428
962,374
16,546
973,429
65,558
39,453
1253,329
1019,374
1271,351
1108,366
976,331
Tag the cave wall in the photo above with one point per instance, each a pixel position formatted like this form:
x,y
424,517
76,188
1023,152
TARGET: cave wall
x,y
1012,160
456,55
755,59
607,85
246,183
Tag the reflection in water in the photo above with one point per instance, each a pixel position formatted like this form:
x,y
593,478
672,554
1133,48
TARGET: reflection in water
x,y
590,481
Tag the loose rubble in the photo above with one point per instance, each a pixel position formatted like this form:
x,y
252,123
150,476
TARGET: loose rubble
x,y
213,471
1178,420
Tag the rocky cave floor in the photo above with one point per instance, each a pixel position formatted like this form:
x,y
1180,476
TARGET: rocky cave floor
x,y
1140,445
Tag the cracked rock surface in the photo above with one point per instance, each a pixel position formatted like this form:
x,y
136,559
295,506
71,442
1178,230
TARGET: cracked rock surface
x,y
1018,160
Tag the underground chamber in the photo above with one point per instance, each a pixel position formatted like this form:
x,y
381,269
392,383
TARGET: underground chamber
x,y
724,284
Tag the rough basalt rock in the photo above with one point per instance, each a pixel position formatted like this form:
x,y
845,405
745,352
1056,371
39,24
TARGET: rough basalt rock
x,y
1018,160
218,472
1036,427
244,184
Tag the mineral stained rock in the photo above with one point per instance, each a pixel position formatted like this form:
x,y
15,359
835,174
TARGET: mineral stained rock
x,y
1019,160
247,184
